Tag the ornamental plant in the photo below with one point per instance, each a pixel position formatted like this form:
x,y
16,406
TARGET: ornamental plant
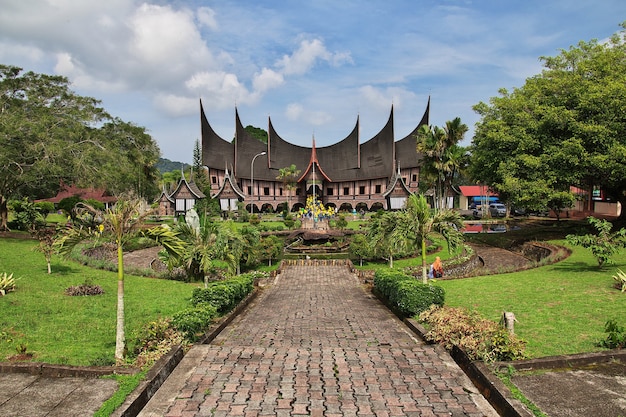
x,y
7,283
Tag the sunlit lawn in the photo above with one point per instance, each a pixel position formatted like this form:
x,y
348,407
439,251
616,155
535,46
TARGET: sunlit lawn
x,y
560,308
74,330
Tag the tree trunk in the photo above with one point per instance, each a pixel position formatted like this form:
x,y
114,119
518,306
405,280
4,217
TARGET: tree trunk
x,y
120,337
4,215
424,274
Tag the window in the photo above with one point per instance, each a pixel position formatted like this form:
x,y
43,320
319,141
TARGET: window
x,y
266,190
414,177
214,179
378,188
346,191
249,190
280,191
298,191
362,189
329,191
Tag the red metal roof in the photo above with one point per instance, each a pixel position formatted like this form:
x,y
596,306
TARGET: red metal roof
x,y
476,190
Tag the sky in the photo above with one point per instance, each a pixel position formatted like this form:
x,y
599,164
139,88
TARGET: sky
x,y
314,67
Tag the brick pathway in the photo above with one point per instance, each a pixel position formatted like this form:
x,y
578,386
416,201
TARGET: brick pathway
x,y
315,343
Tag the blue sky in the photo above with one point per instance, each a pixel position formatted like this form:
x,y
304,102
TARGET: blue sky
x,y
312,66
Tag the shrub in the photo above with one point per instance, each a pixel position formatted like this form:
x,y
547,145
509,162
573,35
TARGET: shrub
x,y
155,340
192,321
224,295
7,283
480,338
405,294
616,337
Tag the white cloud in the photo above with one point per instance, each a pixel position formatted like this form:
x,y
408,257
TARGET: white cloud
x,y
266,80
206,17
306,56
294,111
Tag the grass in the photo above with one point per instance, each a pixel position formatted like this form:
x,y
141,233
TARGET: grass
x,y
60,329
560,308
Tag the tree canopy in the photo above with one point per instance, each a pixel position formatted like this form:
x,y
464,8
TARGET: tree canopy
x,y
564,127
48,133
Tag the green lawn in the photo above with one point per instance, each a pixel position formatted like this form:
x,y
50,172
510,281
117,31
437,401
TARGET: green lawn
x,y
74,330
560,308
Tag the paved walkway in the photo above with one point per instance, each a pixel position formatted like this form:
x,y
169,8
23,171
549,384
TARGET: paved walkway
x,y
315,343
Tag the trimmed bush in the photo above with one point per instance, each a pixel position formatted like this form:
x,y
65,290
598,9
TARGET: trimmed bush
x,y
405,294
224,295
193,321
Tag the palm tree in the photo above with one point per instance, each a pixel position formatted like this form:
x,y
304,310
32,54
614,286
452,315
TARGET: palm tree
x,y
383,235
439,147
288,176
206,246
419,222
121,222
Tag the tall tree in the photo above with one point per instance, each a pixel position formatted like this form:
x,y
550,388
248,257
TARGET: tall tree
x,y
441,156
418,223
48,134
562,128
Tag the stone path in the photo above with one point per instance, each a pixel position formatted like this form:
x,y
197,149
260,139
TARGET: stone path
x,y
315,343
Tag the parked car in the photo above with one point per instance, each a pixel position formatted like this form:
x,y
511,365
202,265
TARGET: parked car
x,y
497,210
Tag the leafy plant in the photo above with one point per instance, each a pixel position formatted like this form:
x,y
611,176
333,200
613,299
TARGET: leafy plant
x,y
616,337
194,320
7,283
620,277
604,244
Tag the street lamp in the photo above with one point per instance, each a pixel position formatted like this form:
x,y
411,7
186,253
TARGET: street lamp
x,y
252,182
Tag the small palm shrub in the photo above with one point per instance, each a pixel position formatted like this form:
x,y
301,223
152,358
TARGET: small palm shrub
x,y
155,340
481,339
7,283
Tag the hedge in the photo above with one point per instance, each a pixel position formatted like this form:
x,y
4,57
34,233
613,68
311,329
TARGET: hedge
x,y
405,294
224,295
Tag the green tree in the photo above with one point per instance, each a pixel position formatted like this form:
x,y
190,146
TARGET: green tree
x,y
289,176
383,235
48,134
360,247
563,127
270,247
120,223
442,156
602,244
419,223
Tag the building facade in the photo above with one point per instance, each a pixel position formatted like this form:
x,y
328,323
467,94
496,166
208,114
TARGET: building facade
x,y
349,175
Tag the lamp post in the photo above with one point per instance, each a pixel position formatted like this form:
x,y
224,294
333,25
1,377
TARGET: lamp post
x,y
252,182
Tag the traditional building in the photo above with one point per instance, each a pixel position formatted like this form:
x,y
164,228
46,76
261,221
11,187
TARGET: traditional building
x,y
183,198
348,175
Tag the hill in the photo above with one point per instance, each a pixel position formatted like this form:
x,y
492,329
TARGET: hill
x,y
165,165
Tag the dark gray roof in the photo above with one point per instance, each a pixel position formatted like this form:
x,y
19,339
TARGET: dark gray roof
x,y
346,160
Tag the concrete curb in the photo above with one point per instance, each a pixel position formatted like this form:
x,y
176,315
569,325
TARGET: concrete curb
x,y
60,371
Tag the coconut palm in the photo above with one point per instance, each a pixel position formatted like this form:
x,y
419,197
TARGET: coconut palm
x,y
123,221
418,223
383,235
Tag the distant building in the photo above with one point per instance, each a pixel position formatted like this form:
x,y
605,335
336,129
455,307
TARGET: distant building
x,y
348,175
97,194
183,198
